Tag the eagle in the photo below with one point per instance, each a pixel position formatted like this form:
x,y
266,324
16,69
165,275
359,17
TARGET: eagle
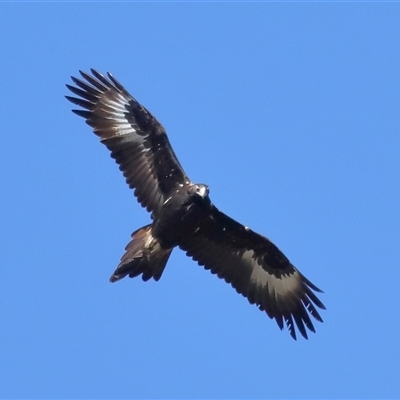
x,y
182,213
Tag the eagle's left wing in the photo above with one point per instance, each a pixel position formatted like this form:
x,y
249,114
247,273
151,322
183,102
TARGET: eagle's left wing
x,y
256,268
137,141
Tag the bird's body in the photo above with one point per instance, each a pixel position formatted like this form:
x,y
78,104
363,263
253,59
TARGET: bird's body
x,y
182,213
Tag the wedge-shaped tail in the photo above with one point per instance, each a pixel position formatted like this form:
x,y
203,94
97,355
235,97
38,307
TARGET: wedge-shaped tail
x,y
144,255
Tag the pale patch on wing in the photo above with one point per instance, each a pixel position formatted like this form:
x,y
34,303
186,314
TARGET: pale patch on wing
x,y
281,285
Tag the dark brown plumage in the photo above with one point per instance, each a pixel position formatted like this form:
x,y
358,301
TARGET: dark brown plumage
x,y
182,213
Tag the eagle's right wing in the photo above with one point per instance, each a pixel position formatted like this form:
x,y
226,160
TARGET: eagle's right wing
x,y
256,268
137,141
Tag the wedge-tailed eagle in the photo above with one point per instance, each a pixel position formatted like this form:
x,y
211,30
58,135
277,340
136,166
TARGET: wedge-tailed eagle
x,y
182,213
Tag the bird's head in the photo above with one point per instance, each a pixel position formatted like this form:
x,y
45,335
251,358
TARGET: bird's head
x,y
196,194
201,190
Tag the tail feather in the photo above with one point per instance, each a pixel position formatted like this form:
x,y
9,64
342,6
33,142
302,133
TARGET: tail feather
x,y
144,255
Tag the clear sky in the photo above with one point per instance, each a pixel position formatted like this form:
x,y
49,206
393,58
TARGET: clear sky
x,y
290,112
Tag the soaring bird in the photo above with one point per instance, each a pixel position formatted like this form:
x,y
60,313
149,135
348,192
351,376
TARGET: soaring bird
x,y
182,213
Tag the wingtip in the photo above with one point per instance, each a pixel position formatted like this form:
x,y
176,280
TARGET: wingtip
x,y
97,74
115,81
290,326
82,72
114,278
71,99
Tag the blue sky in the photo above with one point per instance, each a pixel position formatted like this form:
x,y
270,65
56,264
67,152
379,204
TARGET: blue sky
x,y
290,112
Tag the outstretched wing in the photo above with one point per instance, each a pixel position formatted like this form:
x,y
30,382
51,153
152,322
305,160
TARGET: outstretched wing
x,y
137,141
256,268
